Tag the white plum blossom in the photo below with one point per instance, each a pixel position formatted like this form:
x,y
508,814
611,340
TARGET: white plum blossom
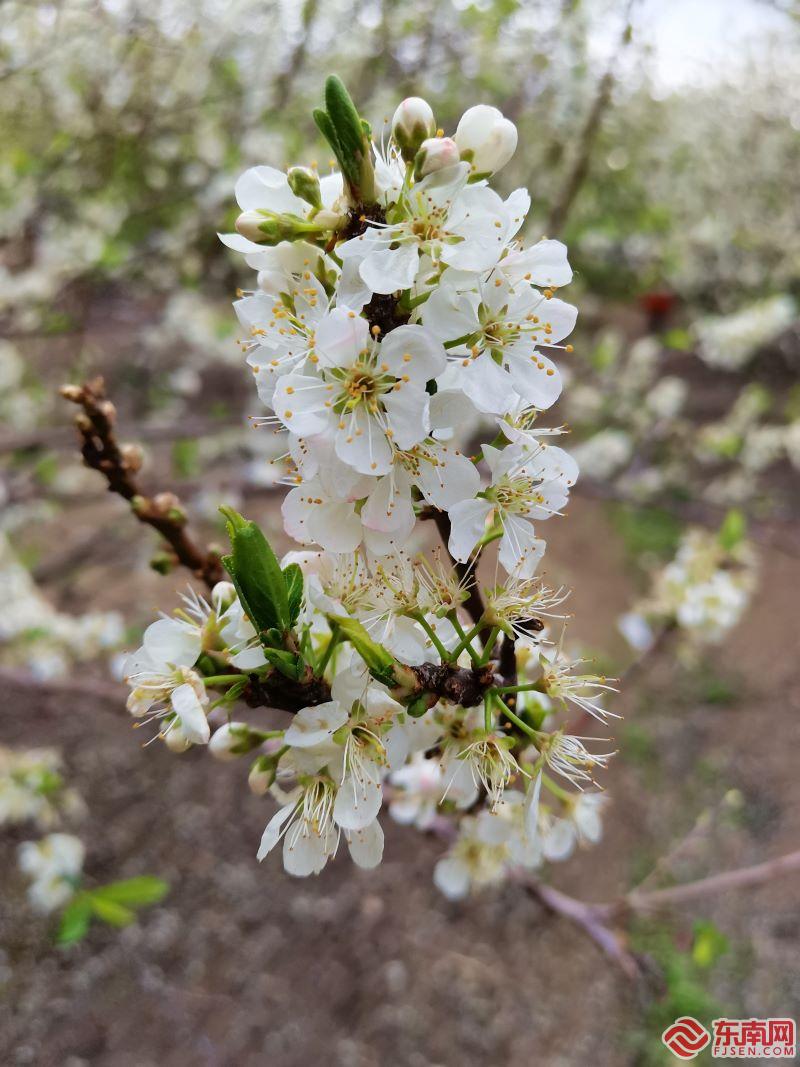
x,y
404,341
53,866
161,675
366,397
528,485
457,225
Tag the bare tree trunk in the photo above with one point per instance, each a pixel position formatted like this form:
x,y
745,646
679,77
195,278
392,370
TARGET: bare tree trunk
x,y
580,165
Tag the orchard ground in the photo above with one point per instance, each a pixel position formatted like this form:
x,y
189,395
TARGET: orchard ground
x,y
243,965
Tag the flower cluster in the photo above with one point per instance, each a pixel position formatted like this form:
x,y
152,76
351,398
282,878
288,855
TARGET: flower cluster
x,y
32,788
704,590
729,342
53,865
45,639
395,311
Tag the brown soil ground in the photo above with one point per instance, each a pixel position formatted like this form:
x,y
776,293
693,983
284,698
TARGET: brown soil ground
x,y
242,966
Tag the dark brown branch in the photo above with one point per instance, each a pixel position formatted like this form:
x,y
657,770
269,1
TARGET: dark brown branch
x,y
508,660
465,571
459,685
119,466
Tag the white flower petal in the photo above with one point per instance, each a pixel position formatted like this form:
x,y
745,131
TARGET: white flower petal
x,y
414,351
362,444
467,526
358,802
451,877
272,834
306,852
340,337
172,641
186,705
366,845
312,726
488,385
386,270
408,414
520,549
535,377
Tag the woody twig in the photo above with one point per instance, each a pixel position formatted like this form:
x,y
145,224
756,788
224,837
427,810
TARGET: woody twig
x,y
120,464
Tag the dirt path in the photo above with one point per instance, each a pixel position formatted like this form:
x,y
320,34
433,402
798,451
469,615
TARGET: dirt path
x,y
241,966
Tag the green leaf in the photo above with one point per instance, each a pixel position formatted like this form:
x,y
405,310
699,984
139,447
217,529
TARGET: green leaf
x,y
326,128
378,659
286,662
733,530
293,577
75,920
133,892
109,911
256,574
709,944
347,124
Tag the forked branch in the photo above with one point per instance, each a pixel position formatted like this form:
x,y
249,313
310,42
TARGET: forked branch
x,y
120,464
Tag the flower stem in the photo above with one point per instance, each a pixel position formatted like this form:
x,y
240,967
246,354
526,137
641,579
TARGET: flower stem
x,y
466,638
509,714
489,648
224,679
324,659
556,789
529,687
429,630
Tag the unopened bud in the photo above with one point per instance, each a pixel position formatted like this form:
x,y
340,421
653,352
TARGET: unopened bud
x,y
304,183
435,154
486,139
175,739
229,741
262,775
72,392
413,123
168,504
163,563
326,219
269,229
132,457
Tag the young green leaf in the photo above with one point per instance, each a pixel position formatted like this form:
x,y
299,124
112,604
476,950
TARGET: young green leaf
x,y
133,892
286,662
379,661
109,911
256,574
733,530
293,577
326,128
347,123
75,920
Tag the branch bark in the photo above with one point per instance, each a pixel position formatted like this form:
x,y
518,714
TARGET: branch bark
x,y
465,571
597,920
580,166
119,465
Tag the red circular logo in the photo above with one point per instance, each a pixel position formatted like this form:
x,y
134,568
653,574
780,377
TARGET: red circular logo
x,y
686,1037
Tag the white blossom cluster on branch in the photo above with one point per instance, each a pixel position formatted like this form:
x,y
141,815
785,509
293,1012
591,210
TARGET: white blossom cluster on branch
x,y
395,310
